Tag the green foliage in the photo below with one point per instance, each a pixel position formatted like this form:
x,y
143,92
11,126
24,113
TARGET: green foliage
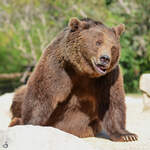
x,y
136,50
28,26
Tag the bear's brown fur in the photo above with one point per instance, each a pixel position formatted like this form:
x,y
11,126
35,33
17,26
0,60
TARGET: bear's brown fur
x,y
77,85
17,101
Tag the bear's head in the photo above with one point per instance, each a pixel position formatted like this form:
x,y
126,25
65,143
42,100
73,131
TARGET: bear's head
x,y
93,48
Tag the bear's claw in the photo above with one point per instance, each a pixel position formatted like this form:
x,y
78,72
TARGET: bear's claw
x,y
15,121
126,138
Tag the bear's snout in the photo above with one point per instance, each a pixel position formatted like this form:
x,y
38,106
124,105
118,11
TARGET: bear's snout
x,y
104,60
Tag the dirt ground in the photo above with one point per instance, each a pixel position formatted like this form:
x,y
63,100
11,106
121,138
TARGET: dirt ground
x,y
137,122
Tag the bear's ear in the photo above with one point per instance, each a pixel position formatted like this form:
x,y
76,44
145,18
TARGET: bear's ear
x,y
74,24
118,30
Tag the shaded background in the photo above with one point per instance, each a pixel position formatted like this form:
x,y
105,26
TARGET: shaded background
x,y
27,26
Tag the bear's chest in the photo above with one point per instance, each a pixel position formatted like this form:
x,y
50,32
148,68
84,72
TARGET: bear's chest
x,y
85,93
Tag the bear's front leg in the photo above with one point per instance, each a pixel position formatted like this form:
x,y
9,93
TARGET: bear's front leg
x,y
48,86
112,108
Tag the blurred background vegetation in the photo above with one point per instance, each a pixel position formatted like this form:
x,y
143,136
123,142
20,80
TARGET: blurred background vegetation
x,y
27,26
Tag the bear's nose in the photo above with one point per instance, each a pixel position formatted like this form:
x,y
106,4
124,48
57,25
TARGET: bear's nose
x,y
104,59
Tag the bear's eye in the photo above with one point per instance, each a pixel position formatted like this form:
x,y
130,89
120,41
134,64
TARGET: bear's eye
x,y
98,43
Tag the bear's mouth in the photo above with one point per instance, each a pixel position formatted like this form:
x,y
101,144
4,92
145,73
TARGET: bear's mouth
x,y
101,69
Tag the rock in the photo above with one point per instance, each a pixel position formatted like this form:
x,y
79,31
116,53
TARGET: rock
x,y
40,138
5,103
145,83
145,88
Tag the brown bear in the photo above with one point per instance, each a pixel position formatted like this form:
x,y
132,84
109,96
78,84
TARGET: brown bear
x,y
77,85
